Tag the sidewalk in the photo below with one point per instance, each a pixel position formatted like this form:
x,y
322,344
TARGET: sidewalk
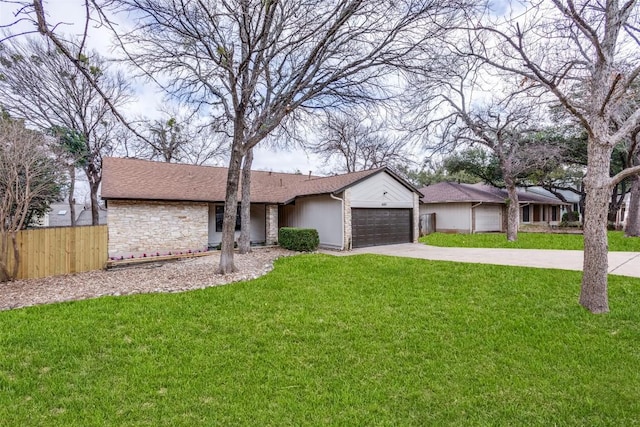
x,y
620,263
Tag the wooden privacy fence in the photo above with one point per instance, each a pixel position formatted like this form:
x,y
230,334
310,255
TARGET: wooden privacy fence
x,y
61,250
427,224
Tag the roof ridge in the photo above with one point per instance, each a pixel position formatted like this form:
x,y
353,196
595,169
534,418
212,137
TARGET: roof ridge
x,y
461,187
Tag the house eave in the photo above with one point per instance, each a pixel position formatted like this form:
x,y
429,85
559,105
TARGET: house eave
x,y
383,169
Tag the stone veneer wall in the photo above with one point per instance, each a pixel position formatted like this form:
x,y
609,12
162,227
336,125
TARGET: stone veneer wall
x,y
271,224
346,195
416,217
137,227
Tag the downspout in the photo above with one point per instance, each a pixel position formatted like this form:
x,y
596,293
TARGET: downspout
x,y
473,222
342,216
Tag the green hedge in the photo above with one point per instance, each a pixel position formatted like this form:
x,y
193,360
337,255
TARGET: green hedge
x,y
571,216
299,239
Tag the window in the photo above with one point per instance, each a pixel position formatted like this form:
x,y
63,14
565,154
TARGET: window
x,y
554,213
525,214
220,216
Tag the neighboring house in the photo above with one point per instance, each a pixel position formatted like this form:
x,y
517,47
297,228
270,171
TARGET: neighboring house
x,y
159,207
572,198
84,218
59,215
473,208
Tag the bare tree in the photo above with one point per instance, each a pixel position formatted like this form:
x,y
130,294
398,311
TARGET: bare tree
x,y
350,142
69,148
632,158
180,137
503,121
585,54
244,241
40,85
253,62
632,226
28,176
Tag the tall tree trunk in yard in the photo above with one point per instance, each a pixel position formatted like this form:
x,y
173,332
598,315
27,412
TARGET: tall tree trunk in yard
x,y
593,293
513,212
93,176
95,207
72,201
230,211
9,242
244,242
632,228
16,255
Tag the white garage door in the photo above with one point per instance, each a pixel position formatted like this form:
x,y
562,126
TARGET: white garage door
x,y
488,218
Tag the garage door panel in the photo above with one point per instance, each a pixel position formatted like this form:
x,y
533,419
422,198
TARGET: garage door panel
x,y
488,218
372,227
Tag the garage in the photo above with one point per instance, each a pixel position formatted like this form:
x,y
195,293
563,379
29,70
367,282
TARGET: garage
x,y
374,227
488,218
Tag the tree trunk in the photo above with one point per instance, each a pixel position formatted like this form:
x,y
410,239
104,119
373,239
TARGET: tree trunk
x,y
581,202
513,212
72,200
618,193
244,242
230,211
4,273
94,178
593,293
4,257
16,255
632,228
95,207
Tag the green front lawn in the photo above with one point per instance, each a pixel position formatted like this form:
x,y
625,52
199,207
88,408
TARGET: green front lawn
x,y
617,241
321,340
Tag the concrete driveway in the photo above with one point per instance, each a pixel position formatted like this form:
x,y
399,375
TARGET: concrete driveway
x,y
620,263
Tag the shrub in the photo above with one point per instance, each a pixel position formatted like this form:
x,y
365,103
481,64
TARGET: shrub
x,y
218,247
299,239
571,216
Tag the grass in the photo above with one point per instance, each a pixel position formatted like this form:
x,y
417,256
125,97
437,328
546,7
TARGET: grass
x,y
321,340
617,241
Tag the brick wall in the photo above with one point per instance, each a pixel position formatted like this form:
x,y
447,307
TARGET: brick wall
x,y
136,227
271,225
347,219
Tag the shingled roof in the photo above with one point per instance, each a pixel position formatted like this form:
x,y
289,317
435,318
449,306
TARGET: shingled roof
x,y
134,179
451,192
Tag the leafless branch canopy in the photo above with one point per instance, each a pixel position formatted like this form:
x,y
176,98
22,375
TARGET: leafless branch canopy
x,y
586,53
353,143
42,87
257,61
180,136
26,174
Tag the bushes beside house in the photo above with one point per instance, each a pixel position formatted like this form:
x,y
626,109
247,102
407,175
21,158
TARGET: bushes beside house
x,y
570,219
299,239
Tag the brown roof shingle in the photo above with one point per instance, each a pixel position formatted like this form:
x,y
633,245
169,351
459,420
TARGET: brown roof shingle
x,y
453,192
135,179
